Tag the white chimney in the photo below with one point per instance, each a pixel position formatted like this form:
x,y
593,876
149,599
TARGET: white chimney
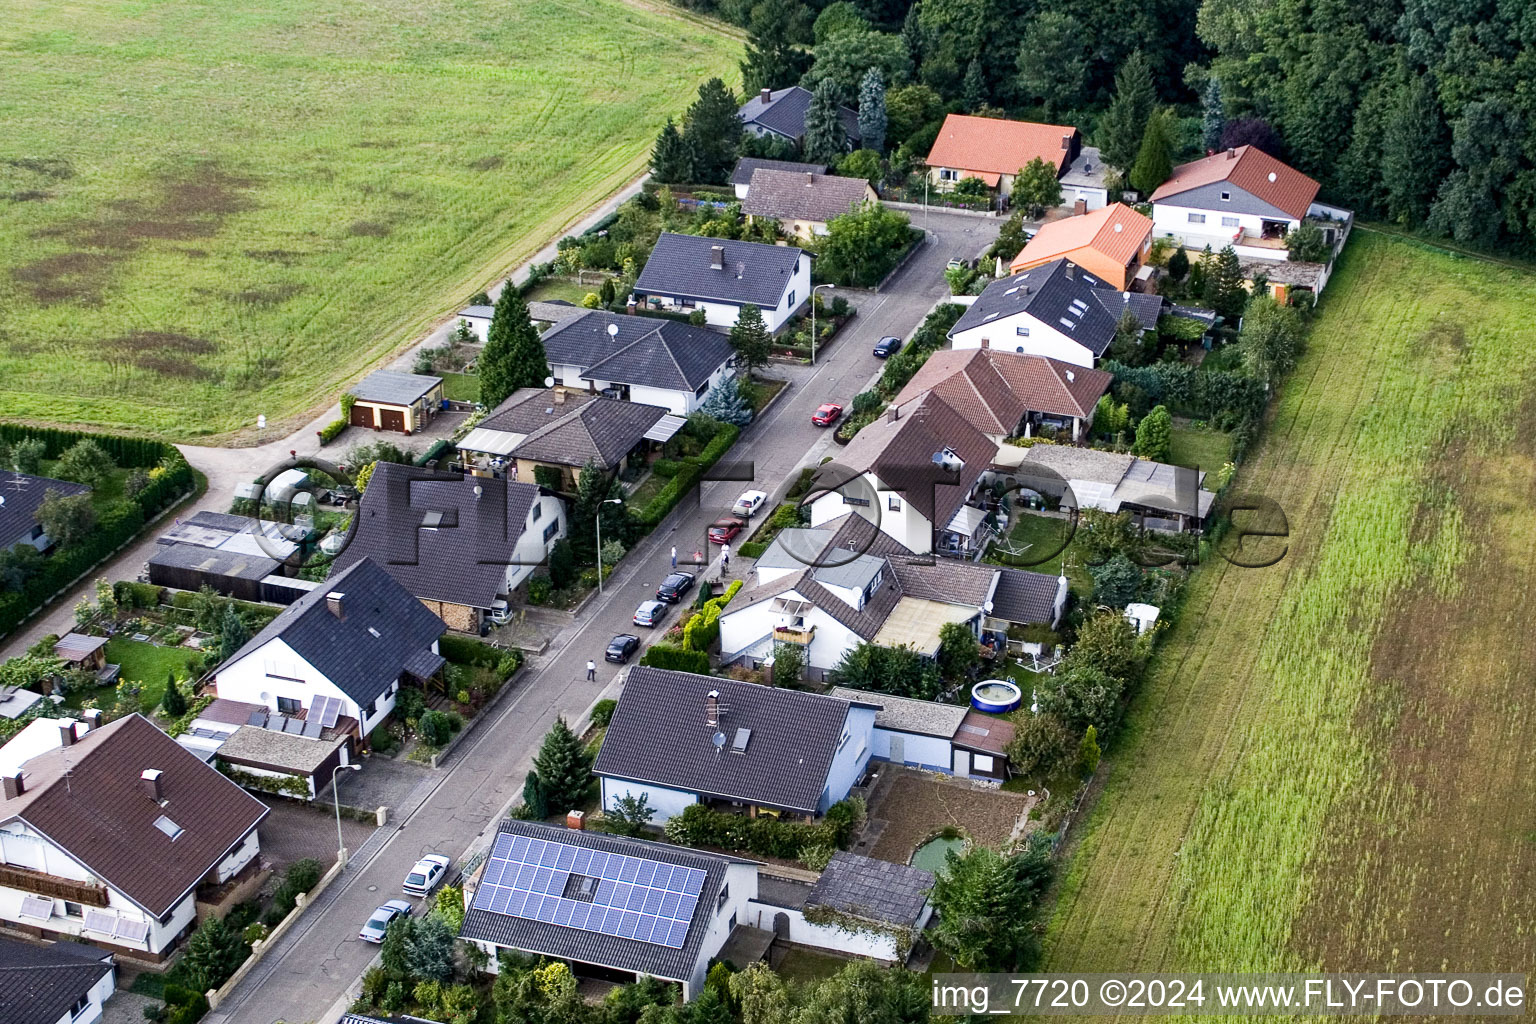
x,y
1231,154
717,257
765,95
92,718
810,178
151,779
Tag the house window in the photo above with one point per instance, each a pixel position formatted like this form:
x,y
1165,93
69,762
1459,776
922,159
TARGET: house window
x,y
791,298
981,762
371,709
948,175
37,532
730,925
844,741
538,510
550,531
1022,332
699,392
1226,197
1229,222
1197,218
862,502
288,706
73,909
893,503
81,1005
725,894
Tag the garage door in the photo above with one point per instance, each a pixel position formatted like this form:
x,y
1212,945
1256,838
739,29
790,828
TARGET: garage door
x,y
362,416
392,419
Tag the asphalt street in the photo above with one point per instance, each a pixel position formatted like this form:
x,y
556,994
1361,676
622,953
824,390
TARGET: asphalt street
x,y
312,974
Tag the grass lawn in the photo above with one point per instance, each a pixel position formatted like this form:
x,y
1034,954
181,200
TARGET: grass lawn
x,y
1328,762
461,387
1035,536
149,665
569,291
110,490
805,965
222,211
1202,448
648,489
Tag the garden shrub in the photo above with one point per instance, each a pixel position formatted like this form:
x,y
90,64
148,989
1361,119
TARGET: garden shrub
x,y
602,712
332,430
670,656
539,588
434,728
752,549
666,467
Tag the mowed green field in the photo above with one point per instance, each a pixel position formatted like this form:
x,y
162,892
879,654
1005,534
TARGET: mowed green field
x,y
210,211
1329,767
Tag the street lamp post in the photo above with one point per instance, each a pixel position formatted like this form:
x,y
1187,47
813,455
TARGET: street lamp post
x,y
598,519
813,318
341,845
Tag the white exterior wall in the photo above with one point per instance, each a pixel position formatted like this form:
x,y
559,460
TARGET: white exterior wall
x,y
98,995
568,375
668,803
240,856
276,670
740,890
532,549
481,327
924,751
1169,221
1044,340
849,761
741,629
1095,198
904,524
876,945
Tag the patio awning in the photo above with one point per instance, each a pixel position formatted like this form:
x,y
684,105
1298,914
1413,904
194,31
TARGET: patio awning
x,y
492,442
665,428
967,520
424,664
915,622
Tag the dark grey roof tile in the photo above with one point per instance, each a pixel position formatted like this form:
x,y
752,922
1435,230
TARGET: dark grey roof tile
x,y
682,266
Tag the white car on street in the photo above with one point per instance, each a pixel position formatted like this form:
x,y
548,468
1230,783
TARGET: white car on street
x,y
747,505
425,875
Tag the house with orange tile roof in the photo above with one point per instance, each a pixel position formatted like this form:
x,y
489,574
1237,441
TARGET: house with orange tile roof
x,y
1112,243
1010,394
1240,197
994,150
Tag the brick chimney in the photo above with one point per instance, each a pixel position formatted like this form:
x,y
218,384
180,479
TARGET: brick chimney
x,y
152,788
67,732
336,604
712,709
717,257
13,785
1066,142
766,95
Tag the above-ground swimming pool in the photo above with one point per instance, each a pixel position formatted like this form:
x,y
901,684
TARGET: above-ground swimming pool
x,y
932,855
996,696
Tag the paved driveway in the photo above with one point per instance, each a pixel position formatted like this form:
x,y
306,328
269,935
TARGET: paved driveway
x,y
314,970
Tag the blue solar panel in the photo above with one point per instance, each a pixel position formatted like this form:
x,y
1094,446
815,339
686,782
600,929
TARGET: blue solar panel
x,y
634,898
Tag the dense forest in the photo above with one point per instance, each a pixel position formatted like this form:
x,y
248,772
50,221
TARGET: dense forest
x,y
1420,112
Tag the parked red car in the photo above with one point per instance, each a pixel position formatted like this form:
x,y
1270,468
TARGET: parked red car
x,y
722,530
827,414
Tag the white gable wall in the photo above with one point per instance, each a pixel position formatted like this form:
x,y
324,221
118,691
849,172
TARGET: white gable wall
x,y
276,670
895,516
1173,221
667,803
1043,339
851,758
931,752
746,626
730,909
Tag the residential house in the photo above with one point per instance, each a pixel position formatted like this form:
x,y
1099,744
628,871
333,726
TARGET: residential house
x,y
878,908
803,202
341,649
1085,182
107,834
948,738
911,473
995,150
719,276
401,402
254,740
458,543
828,590
769,750
1111,243
60,983
1005,394
741,174
781,113
562,430
21,495
1162,497
1244,198
1057,309
606,904
642,359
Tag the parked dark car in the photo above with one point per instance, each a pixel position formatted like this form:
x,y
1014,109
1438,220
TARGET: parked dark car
x,y
887,347
621,647
674,587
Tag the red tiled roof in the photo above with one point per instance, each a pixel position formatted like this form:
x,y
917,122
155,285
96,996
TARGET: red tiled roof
x,y
993,389
1117,231
1250,169
992,147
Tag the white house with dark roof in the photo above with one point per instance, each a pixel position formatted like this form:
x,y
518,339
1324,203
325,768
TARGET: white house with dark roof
x,y
340,650
741,174
21,495
761,748
948,738
458,543
646,360
563,429
60,983
106,834
802,203
780,113
719,276
606,902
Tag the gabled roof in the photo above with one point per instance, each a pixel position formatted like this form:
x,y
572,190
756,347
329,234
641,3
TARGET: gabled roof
x,y
1144,307
784,110
389,387
436,537
89,799
41,984
899,447
648,351
1025,597
1116,231
907,714
992,147
741,174
993,388
602,431
592,947
1250,169
683,266
527,410
875,890
794,736
786,195
20,497
1059,294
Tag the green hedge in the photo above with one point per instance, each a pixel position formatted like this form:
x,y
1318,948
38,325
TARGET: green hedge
x,y
463,650
752,549
439,448
689,472
666,467
331,431
767,837
127,452
665,655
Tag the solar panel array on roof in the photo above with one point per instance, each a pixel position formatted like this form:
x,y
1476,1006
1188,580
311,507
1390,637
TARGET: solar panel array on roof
x,y
325,711
312,730
608,893
258,718
100,921
131,929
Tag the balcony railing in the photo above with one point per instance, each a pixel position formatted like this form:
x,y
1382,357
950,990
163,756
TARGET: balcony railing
x,y
52,885
791,635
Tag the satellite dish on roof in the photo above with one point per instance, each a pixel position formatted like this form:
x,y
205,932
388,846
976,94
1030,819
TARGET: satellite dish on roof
x,y
549,382
719,741
613,330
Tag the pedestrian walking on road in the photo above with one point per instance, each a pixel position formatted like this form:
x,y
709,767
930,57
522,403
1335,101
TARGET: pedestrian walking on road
x,y
674,556
725,552
591,669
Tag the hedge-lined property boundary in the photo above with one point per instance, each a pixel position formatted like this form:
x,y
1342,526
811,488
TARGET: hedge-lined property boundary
x,y
687,474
